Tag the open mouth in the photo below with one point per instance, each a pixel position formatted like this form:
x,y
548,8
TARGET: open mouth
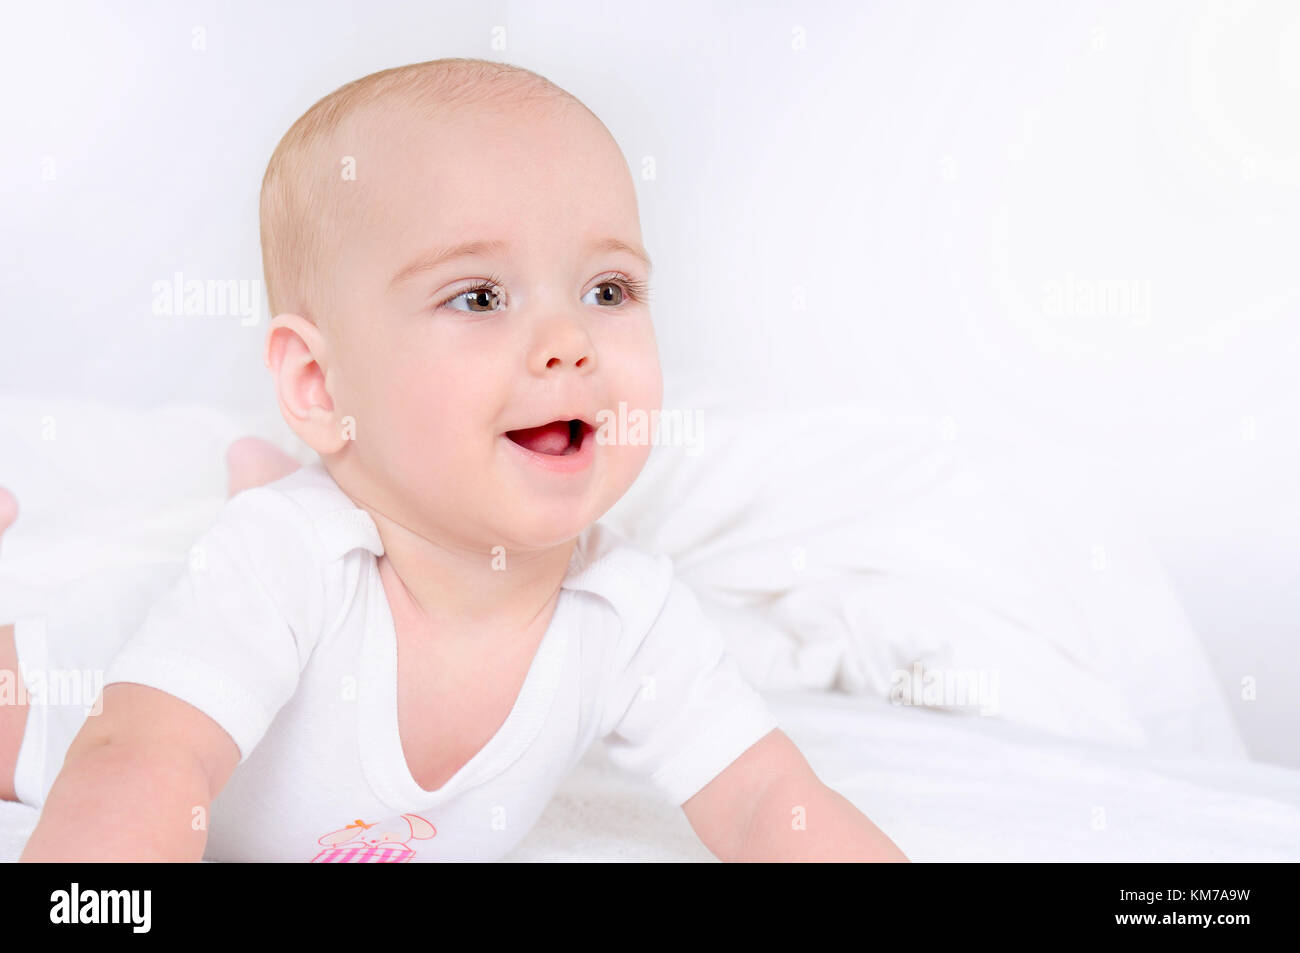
x,y
557,439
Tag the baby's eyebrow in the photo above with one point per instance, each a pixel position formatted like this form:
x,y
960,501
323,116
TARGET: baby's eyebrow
x,y
438,256
614,244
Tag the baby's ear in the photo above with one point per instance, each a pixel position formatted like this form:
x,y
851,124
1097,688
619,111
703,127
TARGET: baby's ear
x,y
295,354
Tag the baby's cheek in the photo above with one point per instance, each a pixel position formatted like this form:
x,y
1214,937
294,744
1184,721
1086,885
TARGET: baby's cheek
x,y
632,360
643,392
400,427
631,462
430,461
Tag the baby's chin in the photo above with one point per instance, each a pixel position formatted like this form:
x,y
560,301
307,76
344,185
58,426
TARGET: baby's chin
x,y
514,504
538,526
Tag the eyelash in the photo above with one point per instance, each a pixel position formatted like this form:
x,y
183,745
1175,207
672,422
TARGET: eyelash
x,y
636,290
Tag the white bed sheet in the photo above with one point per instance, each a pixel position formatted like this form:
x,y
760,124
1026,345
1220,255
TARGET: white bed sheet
x,y
945,787
949,787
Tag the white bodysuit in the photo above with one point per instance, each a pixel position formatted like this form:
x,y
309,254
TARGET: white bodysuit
x,y
279,629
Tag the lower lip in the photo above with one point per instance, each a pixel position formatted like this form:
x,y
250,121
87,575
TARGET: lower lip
x,y
574,462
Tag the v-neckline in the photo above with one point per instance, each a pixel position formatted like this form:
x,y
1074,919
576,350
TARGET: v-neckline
x,y
382,757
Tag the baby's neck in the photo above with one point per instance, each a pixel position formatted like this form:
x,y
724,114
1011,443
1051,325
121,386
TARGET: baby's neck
x,y
454,587
465,593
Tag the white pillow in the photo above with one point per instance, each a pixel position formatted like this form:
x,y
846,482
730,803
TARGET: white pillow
x,y
840,548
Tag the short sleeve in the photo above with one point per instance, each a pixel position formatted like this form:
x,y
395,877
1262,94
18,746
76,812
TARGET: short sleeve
x,y
233,634
679,710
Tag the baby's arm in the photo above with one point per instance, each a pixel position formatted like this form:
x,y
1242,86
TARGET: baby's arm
x,y
679,709
768,805
137,782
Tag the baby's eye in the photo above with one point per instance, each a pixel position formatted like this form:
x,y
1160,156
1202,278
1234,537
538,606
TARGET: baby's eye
x,y
479,300
484,298
607,293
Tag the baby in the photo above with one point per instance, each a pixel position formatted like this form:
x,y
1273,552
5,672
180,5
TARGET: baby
x,y
399,652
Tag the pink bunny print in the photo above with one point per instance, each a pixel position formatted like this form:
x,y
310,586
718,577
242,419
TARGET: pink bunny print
x,y
386,843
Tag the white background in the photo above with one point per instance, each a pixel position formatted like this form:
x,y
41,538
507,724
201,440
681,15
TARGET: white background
x,y
926,179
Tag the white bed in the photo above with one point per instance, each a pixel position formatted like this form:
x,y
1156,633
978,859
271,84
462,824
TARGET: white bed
x,y
872,549
951,788
945,788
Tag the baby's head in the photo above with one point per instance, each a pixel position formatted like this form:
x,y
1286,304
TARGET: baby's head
x,y
453,252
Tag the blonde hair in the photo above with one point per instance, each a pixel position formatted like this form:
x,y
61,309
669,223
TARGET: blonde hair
x,y
303,191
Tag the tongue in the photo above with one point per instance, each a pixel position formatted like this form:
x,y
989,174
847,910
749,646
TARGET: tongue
x,y
552,438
